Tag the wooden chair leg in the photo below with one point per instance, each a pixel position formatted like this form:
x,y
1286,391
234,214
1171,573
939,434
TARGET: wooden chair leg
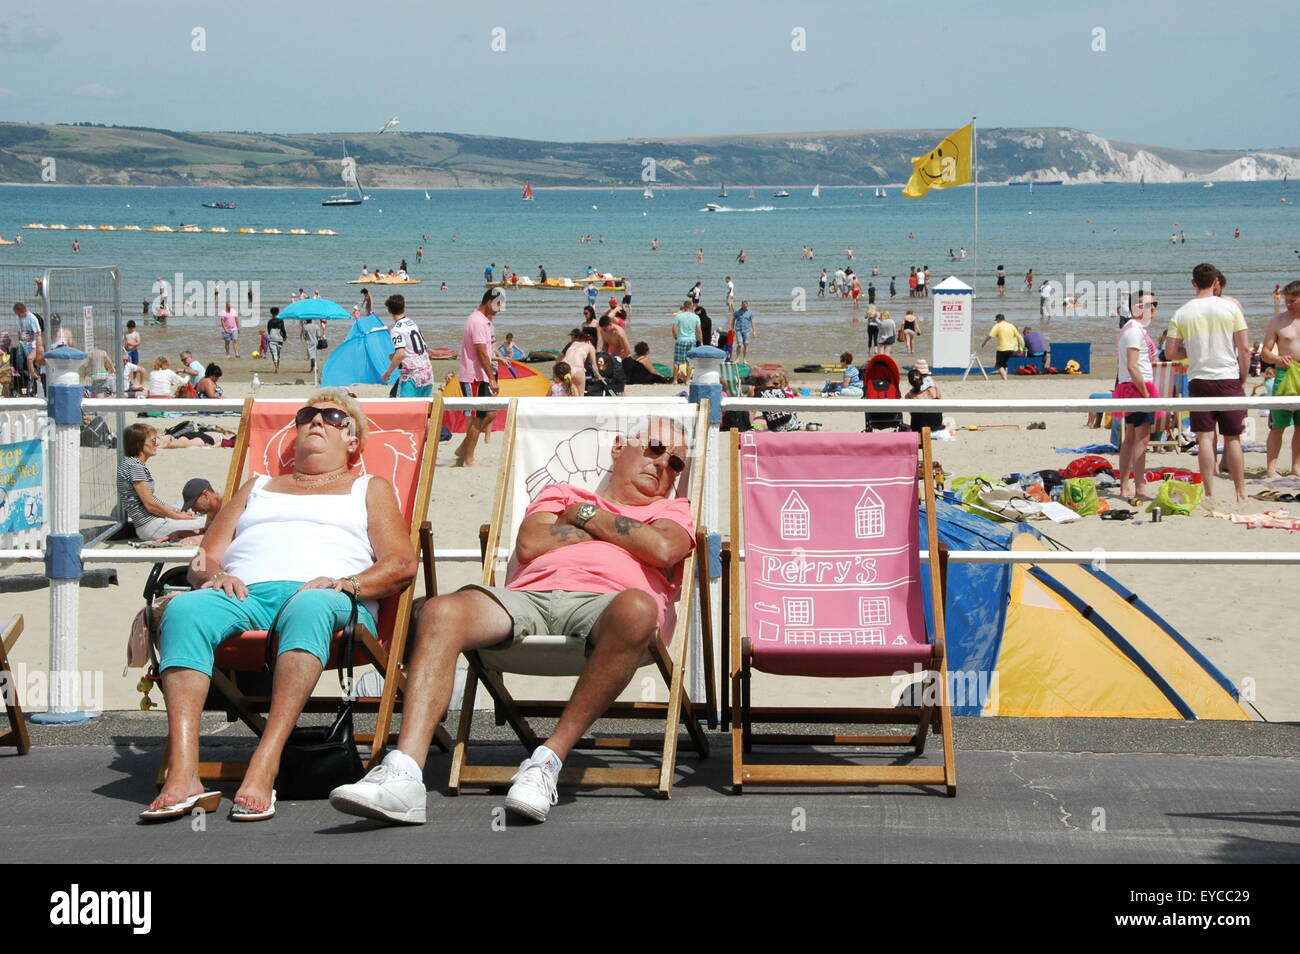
x,y
458,750
724,644
17,736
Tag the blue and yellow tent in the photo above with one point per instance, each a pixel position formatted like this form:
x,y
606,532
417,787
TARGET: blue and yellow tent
x,y
1064,640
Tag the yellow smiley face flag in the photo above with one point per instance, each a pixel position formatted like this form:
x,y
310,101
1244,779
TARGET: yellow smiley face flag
x,y
947,164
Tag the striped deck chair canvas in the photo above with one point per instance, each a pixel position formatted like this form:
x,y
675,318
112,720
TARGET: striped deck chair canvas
x,y
401,448
832,588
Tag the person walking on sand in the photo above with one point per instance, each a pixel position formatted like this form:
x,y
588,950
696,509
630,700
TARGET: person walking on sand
x,y
731,294
477,371
1007,339
742,323
1135,354
687,333
230,328
1210,332
1282,352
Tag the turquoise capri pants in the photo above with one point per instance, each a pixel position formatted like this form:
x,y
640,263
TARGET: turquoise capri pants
x,y
196,623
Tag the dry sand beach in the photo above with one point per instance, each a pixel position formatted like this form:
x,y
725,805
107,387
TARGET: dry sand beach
x,y
1226,612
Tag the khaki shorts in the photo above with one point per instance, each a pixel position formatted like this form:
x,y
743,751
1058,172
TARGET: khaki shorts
x,y
548,612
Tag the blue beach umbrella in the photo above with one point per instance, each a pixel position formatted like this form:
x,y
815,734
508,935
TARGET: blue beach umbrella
x,y
310,309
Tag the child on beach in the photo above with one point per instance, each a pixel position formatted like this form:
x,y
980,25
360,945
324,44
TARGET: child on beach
x,y
563,384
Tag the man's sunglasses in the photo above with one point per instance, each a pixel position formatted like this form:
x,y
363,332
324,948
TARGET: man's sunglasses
x,y
1149,304
333,416
656,449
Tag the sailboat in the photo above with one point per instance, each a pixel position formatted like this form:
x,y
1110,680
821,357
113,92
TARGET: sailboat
x,y
880,192
426,194
528,192
649,193
722,189
817,191
752,194
1031,186
346,198
1142,182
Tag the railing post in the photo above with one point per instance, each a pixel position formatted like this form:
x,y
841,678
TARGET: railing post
x,y
706,385
63,542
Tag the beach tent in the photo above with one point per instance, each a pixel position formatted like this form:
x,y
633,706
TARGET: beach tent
x,y
1064,640
516,379
361,357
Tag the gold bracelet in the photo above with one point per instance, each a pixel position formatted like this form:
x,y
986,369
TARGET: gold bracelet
x,y
356,587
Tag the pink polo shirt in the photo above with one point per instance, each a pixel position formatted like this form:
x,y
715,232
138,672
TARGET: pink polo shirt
x,y
478,330
599,567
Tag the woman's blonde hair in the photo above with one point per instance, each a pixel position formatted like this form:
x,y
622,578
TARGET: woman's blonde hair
x,y
344,400
161,364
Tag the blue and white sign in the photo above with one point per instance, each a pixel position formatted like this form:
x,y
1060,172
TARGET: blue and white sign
x,y
22,502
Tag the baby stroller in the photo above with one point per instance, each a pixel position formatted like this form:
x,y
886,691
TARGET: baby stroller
x,y
880,382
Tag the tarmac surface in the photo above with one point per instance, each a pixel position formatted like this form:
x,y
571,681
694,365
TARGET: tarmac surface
x,y
1081,790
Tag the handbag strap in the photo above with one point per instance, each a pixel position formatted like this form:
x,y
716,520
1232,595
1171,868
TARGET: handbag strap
x,y
349,641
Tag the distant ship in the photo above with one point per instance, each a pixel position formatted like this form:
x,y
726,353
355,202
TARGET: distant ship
x,y
218,205
722,189
713,207
528,192
752,196
817,191
780,194
649,193
880,192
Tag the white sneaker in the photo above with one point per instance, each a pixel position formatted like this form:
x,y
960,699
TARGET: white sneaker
x,y
386,793
533,792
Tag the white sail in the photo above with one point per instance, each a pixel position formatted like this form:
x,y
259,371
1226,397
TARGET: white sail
x,y
648,193
817,191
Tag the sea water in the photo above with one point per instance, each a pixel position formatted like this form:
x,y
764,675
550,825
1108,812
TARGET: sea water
x,y
1069,234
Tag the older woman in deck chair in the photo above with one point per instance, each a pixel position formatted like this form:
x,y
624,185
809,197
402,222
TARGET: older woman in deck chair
x,y
294,545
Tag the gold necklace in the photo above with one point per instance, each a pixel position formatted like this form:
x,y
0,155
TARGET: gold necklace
x,y
318,480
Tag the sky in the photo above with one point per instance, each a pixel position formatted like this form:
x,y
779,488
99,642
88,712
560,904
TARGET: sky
x,y
1185,74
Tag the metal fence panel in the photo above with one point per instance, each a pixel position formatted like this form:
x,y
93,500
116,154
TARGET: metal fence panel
x,y
80,307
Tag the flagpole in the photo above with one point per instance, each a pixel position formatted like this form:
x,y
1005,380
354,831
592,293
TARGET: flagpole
x,y
975,162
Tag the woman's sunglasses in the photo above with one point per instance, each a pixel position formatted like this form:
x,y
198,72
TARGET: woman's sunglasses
x,y
656,449
333,416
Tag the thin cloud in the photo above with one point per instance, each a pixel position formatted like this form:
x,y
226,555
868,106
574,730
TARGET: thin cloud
x,y
96,91
27,36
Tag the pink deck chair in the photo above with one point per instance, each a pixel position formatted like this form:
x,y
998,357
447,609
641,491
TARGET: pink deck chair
x,y
402,448
832,588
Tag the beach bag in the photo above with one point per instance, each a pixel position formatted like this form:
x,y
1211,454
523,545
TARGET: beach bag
x,y
1080,495
730,378
1088,466
318,759
1177,497
986,498
1286,382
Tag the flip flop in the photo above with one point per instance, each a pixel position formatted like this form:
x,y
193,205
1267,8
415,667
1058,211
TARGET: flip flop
x,y
1268,495
206,801
239,813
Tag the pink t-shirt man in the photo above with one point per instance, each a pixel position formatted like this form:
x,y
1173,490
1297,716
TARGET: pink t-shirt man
x,y
478,331
595,566
229,319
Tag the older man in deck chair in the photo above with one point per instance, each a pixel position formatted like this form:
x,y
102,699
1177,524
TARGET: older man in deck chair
x,y
594,565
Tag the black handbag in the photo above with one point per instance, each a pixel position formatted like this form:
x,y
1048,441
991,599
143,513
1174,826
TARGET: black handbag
x,y
318,759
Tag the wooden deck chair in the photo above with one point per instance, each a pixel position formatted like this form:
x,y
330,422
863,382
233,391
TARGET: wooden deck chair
x,y
401,447
17,736
550,441
832,588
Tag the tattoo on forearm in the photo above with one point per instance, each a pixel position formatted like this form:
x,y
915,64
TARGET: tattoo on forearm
x,y
625,525
567,534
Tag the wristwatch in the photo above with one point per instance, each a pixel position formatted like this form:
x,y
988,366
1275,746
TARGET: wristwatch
x,y
585,513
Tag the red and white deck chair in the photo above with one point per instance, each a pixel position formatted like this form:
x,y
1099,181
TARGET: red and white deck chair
x,y
401,447
549,441
832,589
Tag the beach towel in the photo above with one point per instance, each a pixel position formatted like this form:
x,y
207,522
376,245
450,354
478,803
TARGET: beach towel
x,y
1088,449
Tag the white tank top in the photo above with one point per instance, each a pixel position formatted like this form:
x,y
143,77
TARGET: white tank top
x,y
288,537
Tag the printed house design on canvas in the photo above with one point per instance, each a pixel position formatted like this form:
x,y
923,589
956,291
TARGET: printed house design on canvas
x,y
796,519
869,515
